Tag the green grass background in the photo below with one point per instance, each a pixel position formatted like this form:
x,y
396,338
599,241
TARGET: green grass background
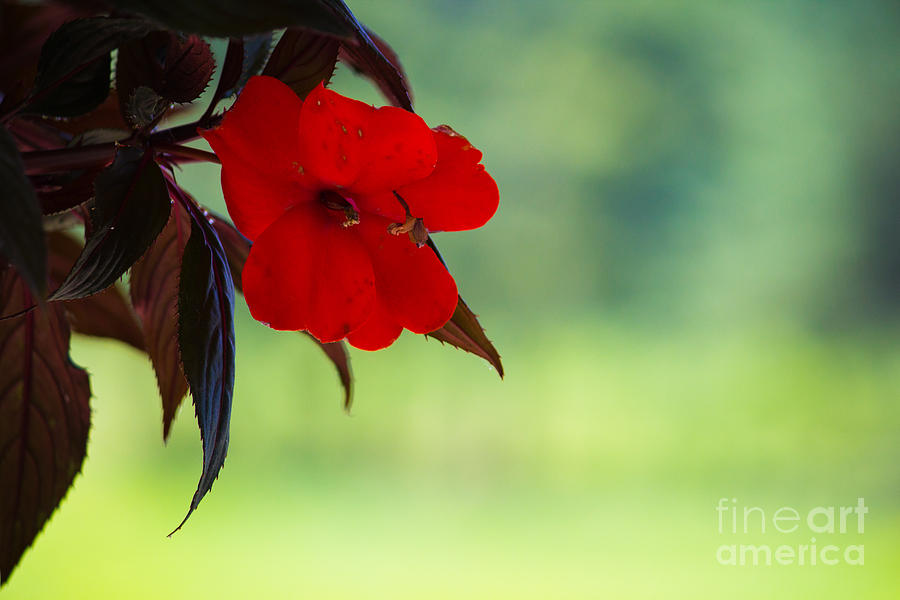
x,y
693,282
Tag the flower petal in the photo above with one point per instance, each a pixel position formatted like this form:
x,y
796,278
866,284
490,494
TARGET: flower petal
x,y
332,128
258,147
383,204
306,272
255,200
398,148
459,194
411,283
379,331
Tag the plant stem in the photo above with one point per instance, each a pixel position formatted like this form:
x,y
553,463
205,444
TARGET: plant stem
x,y
79,157
92,155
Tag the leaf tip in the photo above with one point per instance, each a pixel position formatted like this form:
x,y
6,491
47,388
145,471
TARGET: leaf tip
x,y
183,521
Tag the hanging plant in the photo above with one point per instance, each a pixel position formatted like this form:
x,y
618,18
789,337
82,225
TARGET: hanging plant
x,y
332,203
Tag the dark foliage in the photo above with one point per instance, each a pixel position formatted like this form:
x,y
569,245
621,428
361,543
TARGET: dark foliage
x,y
91,198
206,343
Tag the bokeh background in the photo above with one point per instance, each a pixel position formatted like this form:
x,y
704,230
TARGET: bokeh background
x,y
693,278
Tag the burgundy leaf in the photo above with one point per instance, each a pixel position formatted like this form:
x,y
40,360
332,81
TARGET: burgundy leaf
x,y
371,56
303,59
223,18
176,68
233,64
44,418
74,67
465,332
237,248
23,30
34,133
206,340
107,314
338,355
21,230
139,63
59,192
256,52
154,293
189,67
105,116
131,207
232,67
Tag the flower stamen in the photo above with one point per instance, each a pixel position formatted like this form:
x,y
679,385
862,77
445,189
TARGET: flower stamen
x,y
334,201
414,226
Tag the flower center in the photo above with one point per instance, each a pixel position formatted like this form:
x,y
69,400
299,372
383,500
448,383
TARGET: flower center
x,y
334,201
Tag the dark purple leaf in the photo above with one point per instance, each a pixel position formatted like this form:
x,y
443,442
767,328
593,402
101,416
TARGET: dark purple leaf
x,y
44,418
340,358
154,293
21,230
206,341
34,133
131,207
189,67
23,30
107,314
232,67
371,56
74,68
303,59
223,18
465,332
256,49
176,68
105,116
59,192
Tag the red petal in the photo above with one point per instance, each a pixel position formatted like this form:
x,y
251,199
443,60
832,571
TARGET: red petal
x,y
459,195
308,272
332,128
383,204
257,144
379,331
255,200
411,283
398,148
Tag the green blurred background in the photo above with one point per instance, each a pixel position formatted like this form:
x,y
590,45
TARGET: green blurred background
x,y
693,278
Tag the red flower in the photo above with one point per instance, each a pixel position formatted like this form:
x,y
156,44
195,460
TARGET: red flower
x,y
325,188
